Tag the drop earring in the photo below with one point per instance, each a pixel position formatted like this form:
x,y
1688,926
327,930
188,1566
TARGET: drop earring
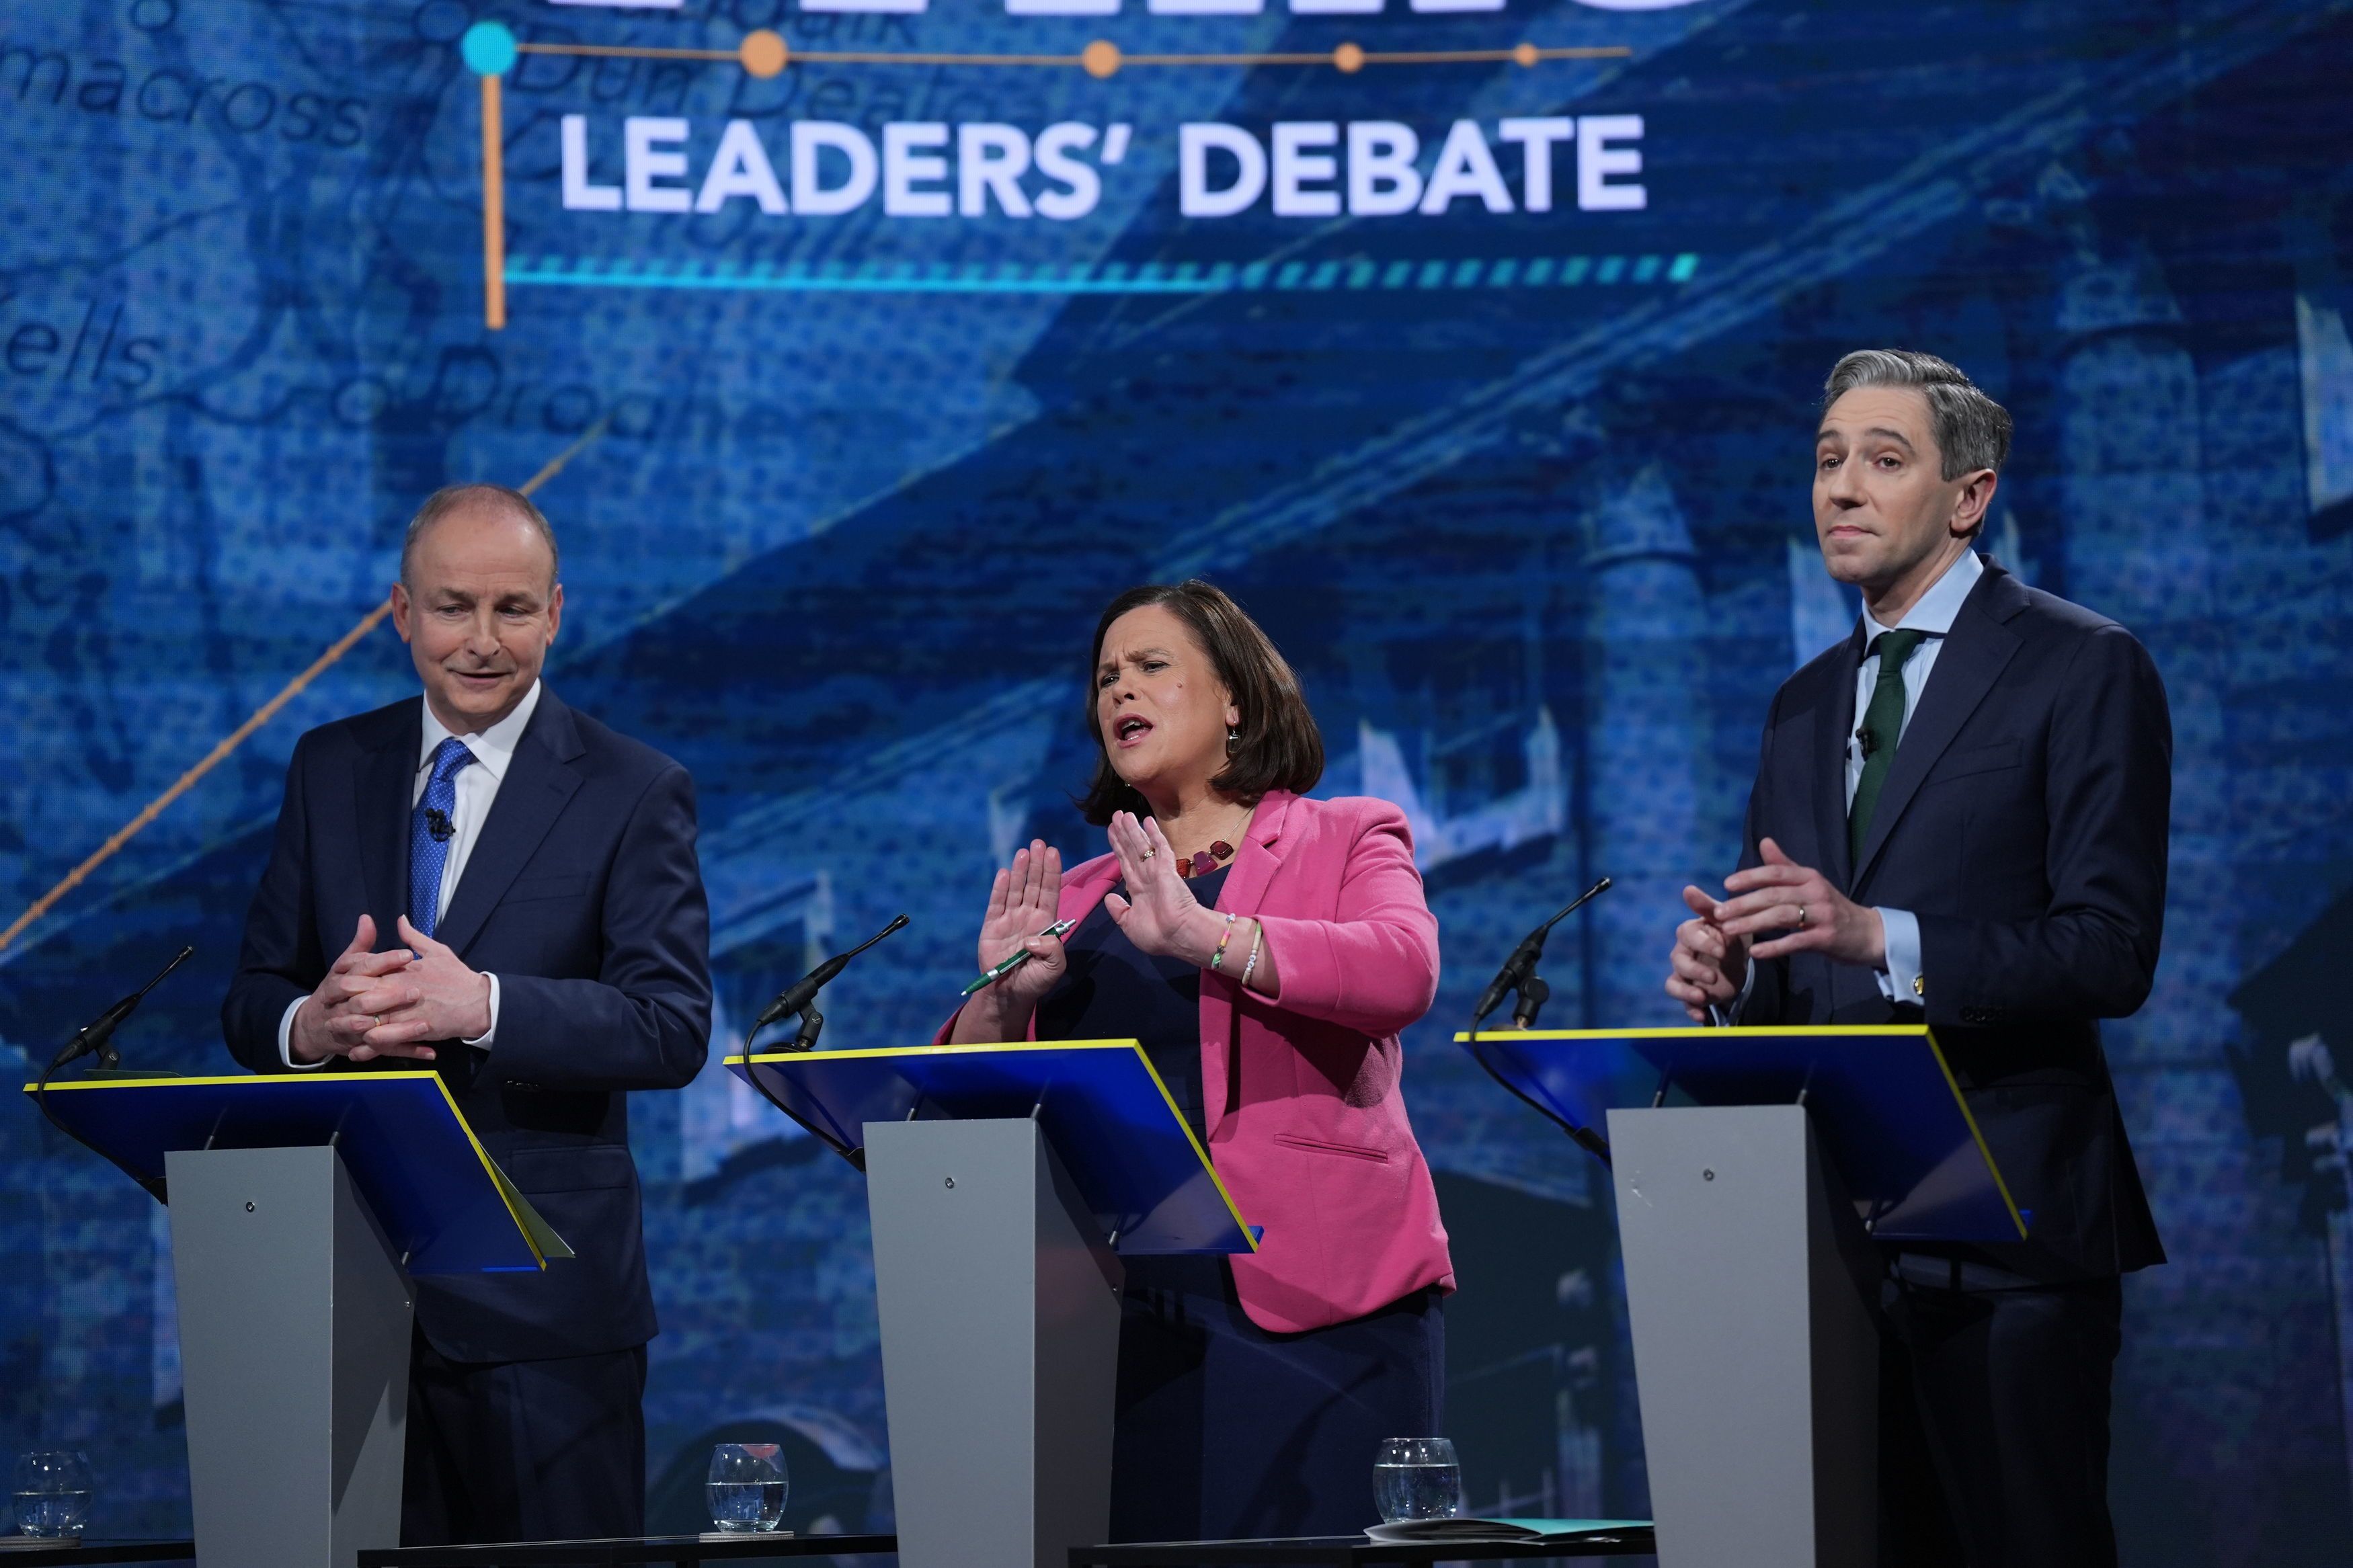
x,y
1233,740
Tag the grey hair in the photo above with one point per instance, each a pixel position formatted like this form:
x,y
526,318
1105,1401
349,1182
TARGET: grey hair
x,y
451,498
1972,430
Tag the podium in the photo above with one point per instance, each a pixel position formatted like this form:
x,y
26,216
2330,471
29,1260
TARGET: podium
x,y
301,1208
1005,1183
1745,1219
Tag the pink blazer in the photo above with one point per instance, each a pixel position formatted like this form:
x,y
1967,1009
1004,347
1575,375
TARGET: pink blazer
x,y
1304,1105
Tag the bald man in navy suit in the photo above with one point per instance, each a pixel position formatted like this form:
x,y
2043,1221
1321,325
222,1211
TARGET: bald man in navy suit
x,y
1959,816
483,881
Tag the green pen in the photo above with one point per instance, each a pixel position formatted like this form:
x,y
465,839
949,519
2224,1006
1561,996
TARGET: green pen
x,y
1017,960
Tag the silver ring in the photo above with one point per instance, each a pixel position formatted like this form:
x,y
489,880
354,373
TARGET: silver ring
x,y
1148,854
1801,917
379,1020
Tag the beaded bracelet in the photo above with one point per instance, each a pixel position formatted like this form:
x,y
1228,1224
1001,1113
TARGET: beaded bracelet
x,y
1217,959
1258,937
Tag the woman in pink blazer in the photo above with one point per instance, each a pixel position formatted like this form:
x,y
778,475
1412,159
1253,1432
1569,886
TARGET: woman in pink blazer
x,y
1267,948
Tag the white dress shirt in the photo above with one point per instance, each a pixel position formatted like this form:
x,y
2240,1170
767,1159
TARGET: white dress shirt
x,y
1900,980
477,785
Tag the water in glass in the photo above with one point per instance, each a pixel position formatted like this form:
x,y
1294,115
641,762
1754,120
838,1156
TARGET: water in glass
x,y
52,1493
747,1487
1417,1478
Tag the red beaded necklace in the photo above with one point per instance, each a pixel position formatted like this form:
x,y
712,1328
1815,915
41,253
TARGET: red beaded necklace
x,y
1207,861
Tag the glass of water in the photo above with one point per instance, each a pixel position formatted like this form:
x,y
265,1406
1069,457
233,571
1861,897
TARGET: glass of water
x,y
52,1493
1417,1478
747,1486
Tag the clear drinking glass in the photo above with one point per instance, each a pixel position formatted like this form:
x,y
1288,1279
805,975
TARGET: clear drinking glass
x,y
747,1487
1417,1478
52,1492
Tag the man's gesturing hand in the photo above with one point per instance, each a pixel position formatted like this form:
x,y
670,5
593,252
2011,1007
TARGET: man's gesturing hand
x,y
436,998
331,1024
1707,966
1799,902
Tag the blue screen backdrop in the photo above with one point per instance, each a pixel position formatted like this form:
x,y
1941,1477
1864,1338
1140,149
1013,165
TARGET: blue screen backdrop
x,y
1500,431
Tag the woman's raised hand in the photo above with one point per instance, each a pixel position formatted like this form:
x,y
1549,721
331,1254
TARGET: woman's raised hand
x,y
1024,900
1160,914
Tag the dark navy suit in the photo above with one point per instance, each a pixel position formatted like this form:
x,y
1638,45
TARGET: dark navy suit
x,y
2023,823
584,896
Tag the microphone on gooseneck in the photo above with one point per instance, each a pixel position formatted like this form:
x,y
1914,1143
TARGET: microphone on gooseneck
x,y
96,1037
1519,974
438,823
1520,967
800,997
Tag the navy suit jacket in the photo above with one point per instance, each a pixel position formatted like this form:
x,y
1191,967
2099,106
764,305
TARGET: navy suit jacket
x,y
584,896
2024,824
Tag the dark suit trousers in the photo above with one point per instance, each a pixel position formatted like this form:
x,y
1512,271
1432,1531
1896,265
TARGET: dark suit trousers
x,y
532,1450
1993,1447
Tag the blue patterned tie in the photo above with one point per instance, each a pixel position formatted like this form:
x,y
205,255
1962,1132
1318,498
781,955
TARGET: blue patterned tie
x,y
430,852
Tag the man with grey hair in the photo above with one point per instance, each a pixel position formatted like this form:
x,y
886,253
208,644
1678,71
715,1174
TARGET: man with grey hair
x,y
485,881
1959,816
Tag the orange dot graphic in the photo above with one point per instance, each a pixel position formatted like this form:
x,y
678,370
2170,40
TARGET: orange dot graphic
x,y
1100,59
1525,55
1348,57
763,52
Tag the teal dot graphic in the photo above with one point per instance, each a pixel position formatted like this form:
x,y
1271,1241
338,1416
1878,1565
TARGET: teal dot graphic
x,y
488,49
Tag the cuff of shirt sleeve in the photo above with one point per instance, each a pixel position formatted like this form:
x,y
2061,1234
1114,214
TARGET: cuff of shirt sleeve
x,y
484,1039
286,1039
1901,980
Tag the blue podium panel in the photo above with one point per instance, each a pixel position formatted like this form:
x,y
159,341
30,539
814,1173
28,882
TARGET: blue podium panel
x,y
430,1186
1105,1112
1882,1100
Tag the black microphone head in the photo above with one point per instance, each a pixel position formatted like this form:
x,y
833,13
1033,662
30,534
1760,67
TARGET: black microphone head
x,y
1868,739
802,992
1493,997
438,823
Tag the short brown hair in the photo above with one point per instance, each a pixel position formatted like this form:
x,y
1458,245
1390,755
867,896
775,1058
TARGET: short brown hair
x,y
1972,430
450,497
1281,748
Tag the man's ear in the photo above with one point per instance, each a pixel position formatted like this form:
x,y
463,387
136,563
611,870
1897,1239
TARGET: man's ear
x,y
400,609
1970,508
555,611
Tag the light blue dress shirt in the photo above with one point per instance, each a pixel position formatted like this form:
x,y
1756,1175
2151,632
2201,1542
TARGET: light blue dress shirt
x,y
1933,614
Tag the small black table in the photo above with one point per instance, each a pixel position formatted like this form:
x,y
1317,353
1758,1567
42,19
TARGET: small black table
x,y
685,1551
53,1553
1352,1550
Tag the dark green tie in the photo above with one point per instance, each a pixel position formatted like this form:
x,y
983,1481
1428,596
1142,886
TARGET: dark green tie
x,y
1883,723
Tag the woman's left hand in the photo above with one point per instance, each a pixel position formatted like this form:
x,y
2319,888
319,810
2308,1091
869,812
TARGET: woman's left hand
x,y
1160,915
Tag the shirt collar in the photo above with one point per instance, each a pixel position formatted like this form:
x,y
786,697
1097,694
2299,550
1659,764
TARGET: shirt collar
x,y
494,747
1936,609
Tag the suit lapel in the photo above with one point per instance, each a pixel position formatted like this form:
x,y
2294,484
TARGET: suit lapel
x,y
539,781
386,777
1255,864
1258,859
1974,654
1829,771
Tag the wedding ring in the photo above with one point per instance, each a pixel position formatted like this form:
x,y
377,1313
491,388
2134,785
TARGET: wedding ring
x,y
379,1020
1801,917
1148,854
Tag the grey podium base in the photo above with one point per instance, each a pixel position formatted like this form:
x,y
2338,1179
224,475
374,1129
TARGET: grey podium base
x,y
999,1307
294,1324
1755,1351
